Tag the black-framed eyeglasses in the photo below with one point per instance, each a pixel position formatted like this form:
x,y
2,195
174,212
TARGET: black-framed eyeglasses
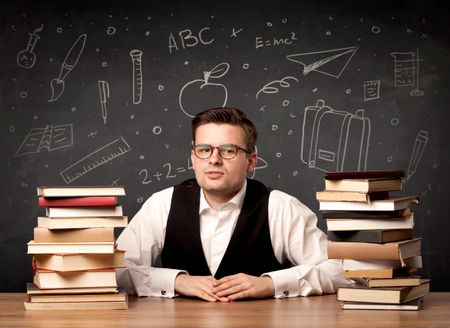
x,y
228,151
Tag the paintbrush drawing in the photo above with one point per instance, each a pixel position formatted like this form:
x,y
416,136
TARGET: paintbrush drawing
x,y
73,55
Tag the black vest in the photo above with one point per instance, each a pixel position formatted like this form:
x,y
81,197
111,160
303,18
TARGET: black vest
x,y
250,249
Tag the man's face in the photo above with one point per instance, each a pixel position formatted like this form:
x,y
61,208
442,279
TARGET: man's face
x,y
220,178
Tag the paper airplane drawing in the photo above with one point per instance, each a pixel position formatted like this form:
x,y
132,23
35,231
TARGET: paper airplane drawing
x,y
328,62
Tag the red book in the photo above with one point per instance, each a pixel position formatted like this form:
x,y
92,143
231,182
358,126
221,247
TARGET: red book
x,y
78,201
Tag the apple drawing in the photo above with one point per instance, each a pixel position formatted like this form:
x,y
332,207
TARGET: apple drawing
x,y
200,94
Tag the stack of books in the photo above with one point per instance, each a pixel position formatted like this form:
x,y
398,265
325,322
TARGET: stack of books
x,y
74,255
371,232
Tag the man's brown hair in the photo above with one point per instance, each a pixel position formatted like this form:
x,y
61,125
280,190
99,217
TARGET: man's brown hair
x,y
227,115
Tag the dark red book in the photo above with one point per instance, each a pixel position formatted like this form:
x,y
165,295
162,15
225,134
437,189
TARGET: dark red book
x,y
78,201
364,175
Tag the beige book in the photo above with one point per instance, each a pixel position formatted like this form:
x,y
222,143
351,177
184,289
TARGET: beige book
x,y
364,185
76,262
70,298
390,295
70,235
73,306
46,279
32,289
75,223
105,247
398,250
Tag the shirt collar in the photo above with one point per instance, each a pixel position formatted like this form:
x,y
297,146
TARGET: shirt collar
x,y
237,200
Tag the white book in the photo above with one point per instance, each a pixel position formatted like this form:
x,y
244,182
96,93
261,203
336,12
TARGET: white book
x,y
391,204
84,211
105,247
350,264
406,222
85,222
80,191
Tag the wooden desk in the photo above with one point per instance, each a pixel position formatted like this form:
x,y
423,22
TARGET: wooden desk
x,y
314,311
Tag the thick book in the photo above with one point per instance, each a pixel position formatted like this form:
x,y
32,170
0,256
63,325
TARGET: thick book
x,y
406,222
78,262
32,289
370,236
77,201
46,279
411,262
400,281
84,211
120,296
364,185
391,204
391,295
413,305
380,174
364,214
73,235
75,306
377,273
76,223
65,191
354,269
398,250
350,196
105,247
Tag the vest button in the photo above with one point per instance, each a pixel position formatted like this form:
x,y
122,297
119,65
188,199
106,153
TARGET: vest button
x,y
163,292
286,293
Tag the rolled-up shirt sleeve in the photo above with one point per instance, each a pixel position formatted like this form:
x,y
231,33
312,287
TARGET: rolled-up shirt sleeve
x,y
296,238
142,240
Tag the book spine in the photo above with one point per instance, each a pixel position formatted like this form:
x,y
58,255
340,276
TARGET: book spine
x,y
42,235
78,201
362,251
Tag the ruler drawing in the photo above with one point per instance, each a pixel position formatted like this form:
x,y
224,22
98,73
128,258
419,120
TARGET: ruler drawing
x,y
95,159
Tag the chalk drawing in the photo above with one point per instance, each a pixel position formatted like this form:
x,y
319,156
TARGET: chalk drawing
x,y
371,90
406,71
136,58
417,152
329,62
202,91
103,89
26,58
57,85
334,140
49,138
95,159
272,87
260,164
188,39
235,32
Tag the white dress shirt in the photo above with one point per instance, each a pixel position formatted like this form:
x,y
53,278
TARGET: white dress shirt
x,y
293,231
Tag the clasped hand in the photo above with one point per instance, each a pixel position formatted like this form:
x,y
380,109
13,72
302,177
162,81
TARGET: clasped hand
x,y
226,289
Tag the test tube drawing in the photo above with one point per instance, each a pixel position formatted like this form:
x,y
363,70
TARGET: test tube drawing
x,y
136,57
26,58
419,145
103,88
416,92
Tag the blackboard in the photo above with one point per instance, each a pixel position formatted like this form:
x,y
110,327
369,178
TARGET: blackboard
x,y
128,75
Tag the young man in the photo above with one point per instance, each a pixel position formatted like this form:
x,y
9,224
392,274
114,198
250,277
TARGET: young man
x,y
221,236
